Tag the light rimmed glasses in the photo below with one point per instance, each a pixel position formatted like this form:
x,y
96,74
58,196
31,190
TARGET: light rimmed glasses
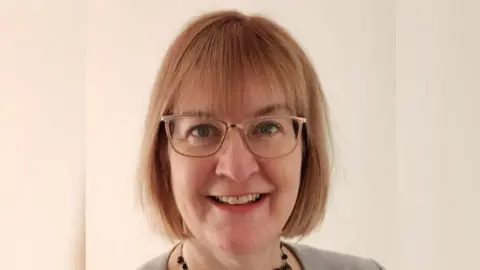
x,y
203,136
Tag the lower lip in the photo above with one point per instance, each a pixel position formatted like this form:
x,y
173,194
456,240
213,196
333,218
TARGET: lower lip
x,y
240,208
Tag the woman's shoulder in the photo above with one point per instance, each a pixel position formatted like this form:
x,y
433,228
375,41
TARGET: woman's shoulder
x,y
315,258
158,263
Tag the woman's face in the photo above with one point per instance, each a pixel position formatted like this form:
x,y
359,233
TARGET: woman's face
x,y
234,171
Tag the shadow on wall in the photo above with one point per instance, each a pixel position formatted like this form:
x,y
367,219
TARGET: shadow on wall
x,y
79,253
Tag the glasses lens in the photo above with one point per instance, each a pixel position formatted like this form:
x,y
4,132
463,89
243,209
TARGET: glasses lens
x,y
272,137
196,136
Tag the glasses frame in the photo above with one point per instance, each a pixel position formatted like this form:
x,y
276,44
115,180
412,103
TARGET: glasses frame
x,y
165,119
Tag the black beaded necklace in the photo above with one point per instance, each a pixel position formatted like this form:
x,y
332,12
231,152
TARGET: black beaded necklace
x,y
285,266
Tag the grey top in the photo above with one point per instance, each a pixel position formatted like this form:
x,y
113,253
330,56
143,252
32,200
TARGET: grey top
x,y
310,258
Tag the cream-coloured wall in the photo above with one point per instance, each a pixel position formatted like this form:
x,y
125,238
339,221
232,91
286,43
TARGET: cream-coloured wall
x,y
438,126
42,135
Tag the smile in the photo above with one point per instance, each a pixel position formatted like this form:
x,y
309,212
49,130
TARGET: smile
x,y
233,200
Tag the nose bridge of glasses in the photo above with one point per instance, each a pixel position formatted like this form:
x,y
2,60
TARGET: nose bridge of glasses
x,y
238,126
240,132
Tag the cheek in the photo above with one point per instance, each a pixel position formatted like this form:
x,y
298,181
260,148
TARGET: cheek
x,y
188,175
285,173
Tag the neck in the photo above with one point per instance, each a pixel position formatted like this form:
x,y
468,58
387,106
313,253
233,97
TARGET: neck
x,y
198,256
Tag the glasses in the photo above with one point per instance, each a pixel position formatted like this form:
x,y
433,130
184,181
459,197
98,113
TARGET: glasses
x,y
201,136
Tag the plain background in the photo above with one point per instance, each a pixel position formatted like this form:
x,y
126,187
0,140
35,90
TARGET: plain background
x,y
402,83
42,134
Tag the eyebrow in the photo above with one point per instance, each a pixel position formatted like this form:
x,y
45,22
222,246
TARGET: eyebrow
x,y
270,109
263,111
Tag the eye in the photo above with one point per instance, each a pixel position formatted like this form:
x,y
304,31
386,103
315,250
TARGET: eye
x,y
204,131
267,128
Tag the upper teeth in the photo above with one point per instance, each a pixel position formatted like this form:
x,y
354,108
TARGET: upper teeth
x,y
239,200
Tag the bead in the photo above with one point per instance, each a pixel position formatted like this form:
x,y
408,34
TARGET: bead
x,y
284,256
180,260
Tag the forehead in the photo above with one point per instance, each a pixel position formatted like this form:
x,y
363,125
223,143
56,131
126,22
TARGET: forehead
x,y
254,99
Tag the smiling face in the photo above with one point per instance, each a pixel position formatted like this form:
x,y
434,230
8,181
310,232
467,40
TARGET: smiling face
x,y
232,68
235,171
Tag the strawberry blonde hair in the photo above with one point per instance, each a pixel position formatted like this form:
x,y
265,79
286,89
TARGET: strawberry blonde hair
x,y
216,55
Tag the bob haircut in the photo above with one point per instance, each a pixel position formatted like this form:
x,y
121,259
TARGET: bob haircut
x,y
217,54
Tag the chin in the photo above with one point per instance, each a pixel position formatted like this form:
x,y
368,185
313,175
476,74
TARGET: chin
x,y
240,243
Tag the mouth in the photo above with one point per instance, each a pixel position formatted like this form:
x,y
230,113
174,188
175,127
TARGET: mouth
x,y
239,200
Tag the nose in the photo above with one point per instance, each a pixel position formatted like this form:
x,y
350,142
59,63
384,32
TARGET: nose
x,y
235,161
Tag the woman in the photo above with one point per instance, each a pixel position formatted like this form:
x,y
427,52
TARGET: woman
x,y
236,153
